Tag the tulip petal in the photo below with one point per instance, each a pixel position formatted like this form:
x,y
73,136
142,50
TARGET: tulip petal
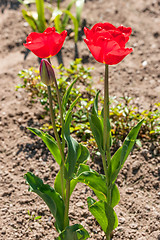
x,y
117,56
118,37
125,30
106,26
86,31
95,50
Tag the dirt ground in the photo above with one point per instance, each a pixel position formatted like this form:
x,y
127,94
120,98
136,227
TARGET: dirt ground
x,y
138,75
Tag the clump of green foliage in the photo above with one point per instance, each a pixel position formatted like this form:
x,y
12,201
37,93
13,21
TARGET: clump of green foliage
x,y
123,112
60,17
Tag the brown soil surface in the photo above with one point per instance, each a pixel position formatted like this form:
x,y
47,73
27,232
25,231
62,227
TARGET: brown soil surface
x,y
137,75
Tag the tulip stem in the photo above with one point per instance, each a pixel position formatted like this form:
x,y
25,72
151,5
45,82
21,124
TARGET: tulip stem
x,y
67,203
106,136
108,237
60,108
56,136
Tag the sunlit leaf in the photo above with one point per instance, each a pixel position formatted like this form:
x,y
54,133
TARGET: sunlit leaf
x,y
67,93
122,153
32,21
79,7
50,143
41,17
75,232
50,197
104,214
97,182
74,150
75,22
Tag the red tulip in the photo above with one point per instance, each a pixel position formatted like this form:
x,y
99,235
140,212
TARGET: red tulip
x,y
46,44
107,43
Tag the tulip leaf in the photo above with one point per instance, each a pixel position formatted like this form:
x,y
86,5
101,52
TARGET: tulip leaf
x,y
104,214
72,106
56,17
122,153
74,150
30,19
95,105
79,7
97,130
75,22
66,17
77,153
26,2
67,93
58,187
50,197
75,232
97,182
41,17
83,157
50,143
96,125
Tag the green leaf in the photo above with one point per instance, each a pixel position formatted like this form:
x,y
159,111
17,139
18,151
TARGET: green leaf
x,y
96,124
66,17
50,143
95,105
115,196
74,150
56,17
104,214
75,22
67,93
50,197
79,7
28,16
41,17
83,157
58,187
97,182
75,232
97,130
72,106
26,2
122,153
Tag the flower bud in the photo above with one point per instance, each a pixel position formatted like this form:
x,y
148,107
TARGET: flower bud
x,y
46,73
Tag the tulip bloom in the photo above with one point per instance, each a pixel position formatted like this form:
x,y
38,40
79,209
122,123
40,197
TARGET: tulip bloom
x,y
107,43
46,44
46,73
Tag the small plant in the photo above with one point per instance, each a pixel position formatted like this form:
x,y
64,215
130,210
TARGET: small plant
x,y
33,217
123,112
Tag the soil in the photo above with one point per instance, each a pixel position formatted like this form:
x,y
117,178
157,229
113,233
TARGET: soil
x,y
138,76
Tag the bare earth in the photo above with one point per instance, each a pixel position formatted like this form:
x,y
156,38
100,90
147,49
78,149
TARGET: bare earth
x,y
139,207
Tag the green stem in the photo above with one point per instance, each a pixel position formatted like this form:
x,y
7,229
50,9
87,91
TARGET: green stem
x,y
106,136
60,108
104,166
108,237
67,203
56,135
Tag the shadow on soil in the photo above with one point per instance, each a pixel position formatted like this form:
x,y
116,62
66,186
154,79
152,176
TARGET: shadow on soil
x,y
10,4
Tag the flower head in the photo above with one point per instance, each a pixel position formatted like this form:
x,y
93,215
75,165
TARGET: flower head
x,y
46,72
46,44
107,43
